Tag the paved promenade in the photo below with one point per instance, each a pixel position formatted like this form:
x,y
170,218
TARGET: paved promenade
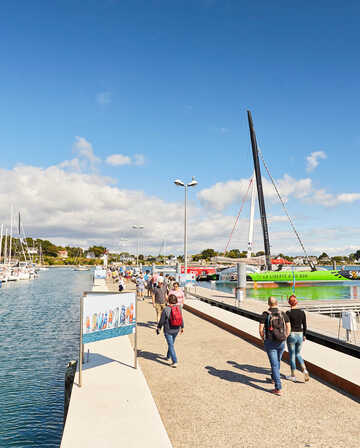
x,y
218,396
114,407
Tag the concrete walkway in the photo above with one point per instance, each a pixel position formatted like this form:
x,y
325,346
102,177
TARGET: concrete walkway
x,y
114,408
219,396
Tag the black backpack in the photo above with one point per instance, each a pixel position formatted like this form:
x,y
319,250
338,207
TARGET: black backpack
x,y
276,327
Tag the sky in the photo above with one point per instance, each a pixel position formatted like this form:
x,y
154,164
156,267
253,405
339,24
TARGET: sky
x,y
105,103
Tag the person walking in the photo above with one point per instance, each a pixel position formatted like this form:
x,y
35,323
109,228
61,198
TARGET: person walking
x,y
172,321
140,287
159,297
274,328
296,338
178,292
121,283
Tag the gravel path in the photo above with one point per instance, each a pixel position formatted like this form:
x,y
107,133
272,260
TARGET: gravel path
x,y
218,396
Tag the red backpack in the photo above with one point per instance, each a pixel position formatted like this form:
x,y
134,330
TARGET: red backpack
x,y
175,319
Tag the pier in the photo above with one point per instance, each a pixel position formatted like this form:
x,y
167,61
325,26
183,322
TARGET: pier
x,y
114,407
217,396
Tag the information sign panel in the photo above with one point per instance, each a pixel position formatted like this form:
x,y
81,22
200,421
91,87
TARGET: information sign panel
x,y
107,315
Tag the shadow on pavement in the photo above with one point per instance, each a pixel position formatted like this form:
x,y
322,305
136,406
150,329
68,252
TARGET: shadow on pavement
x,y
149,324
235,377
251,369
95,360
153,357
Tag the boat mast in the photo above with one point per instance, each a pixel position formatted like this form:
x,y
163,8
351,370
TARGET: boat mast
x,y
260,192
1,240
6,259
11,233
251,222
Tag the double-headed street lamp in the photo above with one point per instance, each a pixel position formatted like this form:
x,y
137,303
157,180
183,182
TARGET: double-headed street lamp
x,y
137,253
180,183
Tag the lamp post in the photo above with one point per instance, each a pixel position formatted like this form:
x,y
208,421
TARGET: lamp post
x,y
180,183
137,252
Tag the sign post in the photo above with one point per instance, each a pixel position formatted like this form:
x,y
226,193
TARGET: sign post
x,y
106,315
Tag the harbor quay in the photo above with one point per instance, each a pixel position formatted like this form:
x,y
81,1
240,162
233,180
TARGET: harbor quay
x,y
219,395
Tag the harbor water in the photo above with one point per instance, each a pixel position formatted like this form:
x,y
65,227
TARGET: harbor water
x,y
342,291
39,333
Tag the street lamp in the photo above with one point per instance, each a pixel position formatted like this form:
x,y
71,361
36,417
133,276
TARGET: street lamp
x,y
180,183
137,253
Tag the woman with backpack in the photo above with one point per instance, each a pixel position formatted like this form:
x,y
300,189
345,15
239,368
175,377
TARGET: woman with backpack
x,y
296,338
172,321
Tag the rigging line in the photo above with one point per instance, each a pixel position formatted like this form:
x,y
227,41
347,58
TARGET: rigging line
x,y
238,216
285,210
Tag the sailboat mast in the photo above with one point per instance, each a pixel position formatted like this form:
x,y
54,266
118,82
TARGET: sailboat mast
x,y
251,222
260,192
11,233
1,240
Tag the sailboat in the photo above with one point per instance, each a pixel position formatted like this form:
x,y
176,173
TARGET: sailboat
x,y
293,276
80,267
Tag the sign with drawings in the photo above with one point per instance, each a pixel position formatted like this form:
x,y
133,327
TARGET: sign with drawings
x,y
107,316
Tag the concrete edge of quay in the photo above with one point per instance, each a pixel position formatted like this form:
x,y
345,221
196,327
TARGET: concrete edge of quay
x,y
315,368
114,407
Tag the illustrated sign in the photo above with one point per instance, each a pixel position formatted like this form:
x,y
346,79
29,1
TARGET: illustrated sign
x,y
100,273
107,316
185,279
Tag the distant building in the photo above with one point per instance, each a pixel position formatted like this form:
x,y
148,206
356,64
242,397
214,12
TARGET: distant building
x,y
32,251
324,260
62,254
90,255
298,261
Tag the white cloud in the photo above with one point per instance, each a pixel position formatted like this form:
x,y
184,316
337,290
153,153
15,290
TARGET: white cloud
x,y
322,197
69,206
103,98
139,159
223,130
118,160
121,159
222,194
85,150
312,161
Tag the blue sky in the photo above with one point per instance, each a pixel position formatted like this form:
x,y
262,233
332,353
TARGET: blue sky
x,y
171,81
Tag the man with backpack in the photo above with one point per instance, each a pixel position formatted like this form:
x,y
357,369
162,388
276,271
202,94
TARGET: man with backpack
x,y
159,296
172,321
274,329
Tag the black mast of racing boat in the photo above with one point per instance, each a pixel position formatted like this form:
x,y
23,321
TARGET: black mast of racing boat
x,y
260,192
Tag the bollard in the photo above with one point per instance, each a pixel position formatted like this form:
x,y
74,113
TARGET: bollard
x,y
241,283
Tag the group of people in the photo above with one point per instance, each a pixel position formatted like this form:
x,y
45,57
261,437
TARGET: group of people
x,y
275,328
167,299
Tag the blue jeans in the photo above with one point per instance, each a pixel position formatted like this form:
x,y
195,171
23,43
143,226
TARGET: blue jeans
x,y
170,339
275,350
294,343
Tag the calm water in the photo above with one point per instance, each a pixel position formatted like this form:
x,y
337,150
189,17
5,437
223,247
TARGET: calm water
x,y
349,290
39,334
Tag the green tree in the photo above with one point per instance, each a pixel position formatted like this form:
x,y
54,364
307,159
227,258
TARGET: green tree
x,y
208,253
98,250
323,255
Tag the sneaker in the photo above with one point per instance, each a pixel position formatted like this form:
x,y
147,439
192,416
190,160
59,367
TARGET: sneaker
x,y
276,392
291,378
174,364
306,375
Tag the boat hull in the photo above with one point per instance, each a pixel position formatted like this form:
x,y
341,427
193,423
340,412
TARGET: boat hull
x,y
303,276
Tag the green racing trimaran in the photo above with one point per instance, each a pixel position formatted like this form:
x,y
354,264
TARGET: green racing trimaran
x,y
288,276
